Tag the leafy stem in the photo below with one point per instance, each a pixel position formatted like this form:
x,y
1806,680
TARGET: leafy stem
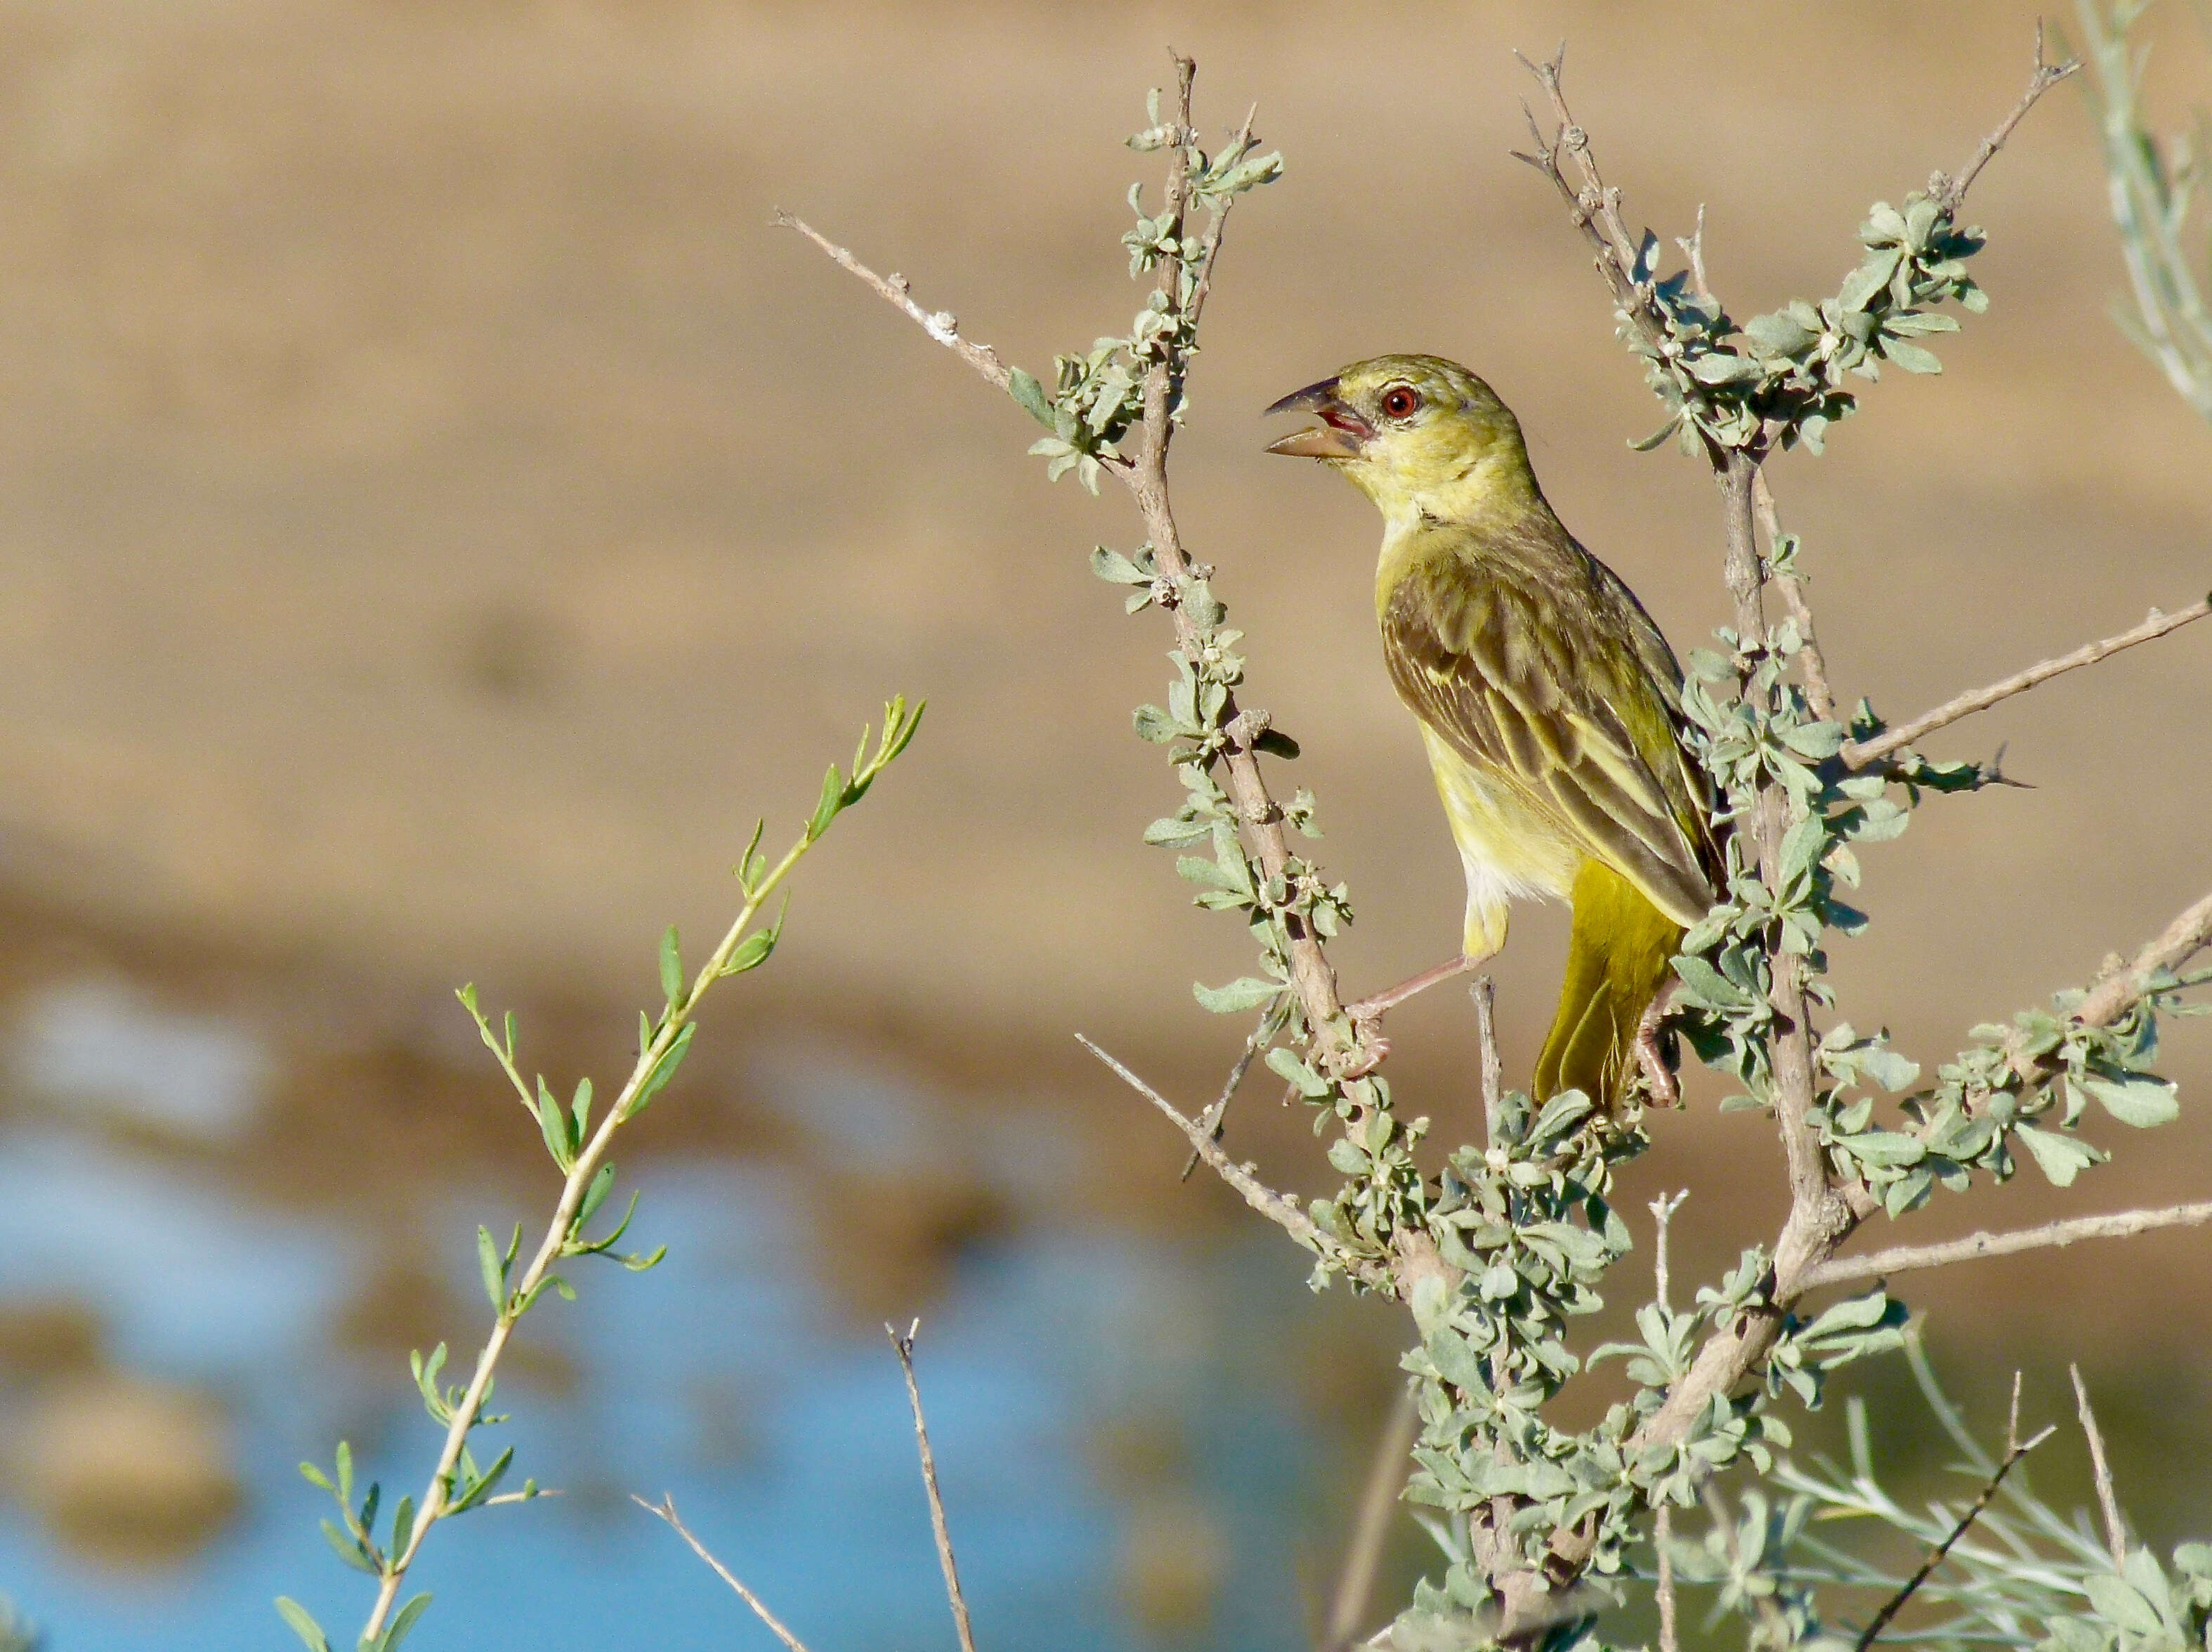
x,y
579,1147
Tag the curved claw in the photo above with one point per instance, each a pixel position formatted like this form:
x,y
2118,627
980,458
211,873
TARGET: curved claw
x,y
1651,1041
1368,1049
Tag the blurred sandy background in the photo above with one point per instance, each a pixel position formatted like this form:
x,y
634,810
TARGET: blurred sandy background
x,y
437,512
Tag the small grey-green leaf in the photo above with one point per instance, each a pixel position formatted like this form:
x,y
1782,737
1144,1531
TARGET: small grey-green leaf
x,y
2060,1158
825,811
1285,1064
553,1125
1025,389
2122,1605
1114,568
1912,357
303,1624
2138,1099
1245,993
403,1621
672,966
347,1550
1778,334
1154,725
754,950
1723,368
495,1277
1816,740
664,1069
596,1194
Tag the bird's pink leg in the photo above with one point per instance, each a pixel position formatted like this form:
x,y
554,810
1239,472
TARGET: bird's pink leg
x,y
1370,1047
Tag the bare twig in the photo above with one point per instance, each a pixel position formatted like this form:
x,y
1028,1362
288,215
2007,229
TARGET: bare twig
x,y
1693,248
1662,1210
903,1345
1218,1110
1279,1208
1859,754
1904,1259
1594,208
940,325
1950,192
1811,662
666,1509
2116,1534
1662,1540
1362,1556
1485,993
2017,1449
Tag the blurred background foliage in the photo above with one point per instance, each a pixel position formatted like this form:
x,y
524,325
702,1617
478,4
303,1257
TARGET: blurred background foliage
x,y
436,511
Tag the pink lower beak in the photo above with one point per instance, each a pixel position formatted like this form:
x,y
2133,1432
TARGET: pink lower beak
x,y
1340,435
1325,441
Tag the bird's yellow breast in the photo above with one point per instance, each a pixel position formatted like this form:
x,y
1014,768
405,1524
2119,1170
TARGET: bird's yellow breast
x,y
1510,848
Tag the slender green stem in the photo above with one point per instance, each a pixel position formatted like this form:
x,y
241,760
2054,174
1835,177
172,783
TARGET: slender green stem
x,y
437,1502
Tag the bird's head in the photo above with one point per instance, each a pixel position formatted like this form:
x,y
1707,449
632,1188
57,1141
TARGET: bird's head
x,y
1418,435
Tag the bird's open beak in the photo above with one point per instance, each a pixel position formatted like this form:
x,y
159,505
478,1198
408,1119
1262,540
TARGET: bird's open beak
x,y
1342,432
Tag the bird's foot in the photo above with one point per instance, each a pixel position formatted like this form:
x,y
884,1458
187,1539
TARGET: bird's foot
x,y
1370,1049
1657,1053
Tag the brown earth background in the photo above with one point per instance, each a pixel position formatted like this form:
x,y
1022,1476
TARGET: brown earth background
x,y
437,512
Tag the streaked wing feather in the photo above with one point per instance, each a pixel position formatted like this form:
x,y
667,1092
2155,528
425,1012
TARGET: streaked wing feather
x,y
1484,664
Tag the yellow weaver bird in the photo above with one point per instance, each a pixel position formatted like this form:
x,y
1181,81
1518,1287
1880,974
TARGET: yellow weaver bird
x,y
1550,704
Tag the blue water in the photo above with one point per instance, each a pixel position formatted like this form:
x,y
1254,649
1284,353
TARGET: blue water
x,y
726,1376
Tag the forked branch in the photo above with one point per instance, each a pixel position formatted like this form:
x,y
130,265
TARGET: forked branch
x,y
1951,192
1279,1208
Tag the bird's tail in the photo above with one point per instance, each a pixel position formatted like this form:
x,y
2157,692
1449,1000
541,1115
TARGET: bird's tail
x,y
1617,957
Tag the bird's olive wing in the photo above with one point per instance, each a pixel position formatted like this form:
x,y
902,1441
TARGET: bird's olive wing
x,y
1552,693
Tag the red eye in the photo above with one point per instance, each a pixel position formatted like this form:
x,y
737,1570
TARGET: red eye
x,y
1401,402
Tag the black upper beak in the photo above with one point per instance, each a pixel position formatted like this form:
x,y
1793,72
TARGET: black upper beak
x,y
1311,399
1341,431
